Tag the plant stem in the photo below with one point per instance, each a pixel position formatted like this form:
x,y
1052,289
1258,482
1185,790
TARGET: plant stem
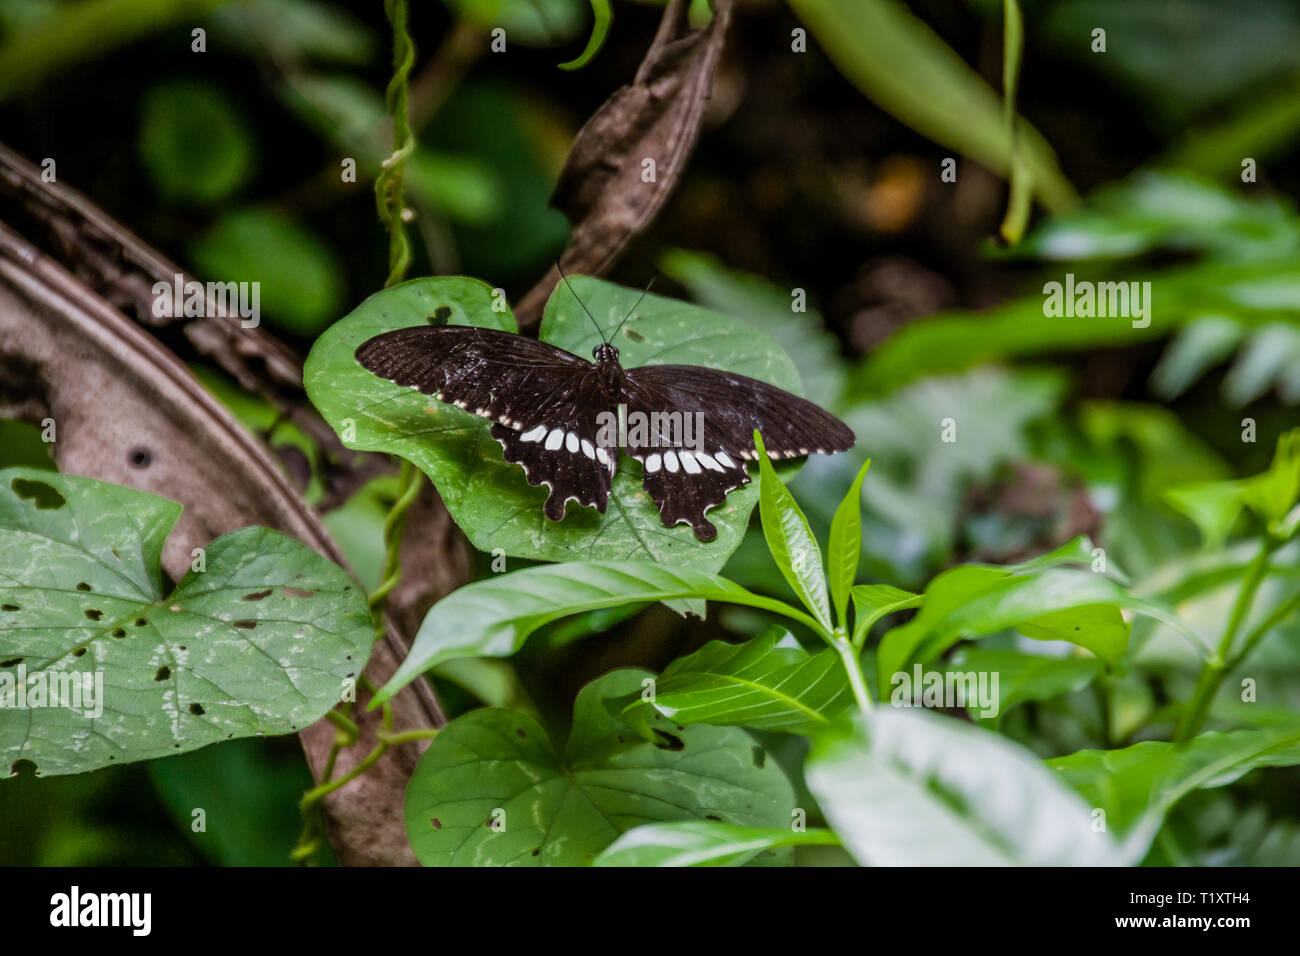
x,y
853,668
1216,668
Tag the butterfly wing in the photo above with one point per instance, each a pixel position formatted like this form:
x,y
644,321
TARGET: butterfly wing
x,y
543,402
688,477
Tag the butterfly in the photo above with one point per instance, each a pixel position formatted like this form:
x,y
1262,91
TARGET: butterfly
x,y
564,419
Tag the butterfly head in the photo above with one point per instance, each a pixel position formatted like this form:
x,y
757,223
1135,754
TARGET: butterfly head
x,y
604,354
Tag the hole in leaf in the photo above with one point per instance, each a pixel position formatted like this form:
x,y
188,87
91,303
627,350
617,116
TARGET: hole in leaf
x,y
94,613
760,757
537,852
669,741
246,625
257,595
83,586
12,662
46,497
437,824
139,457
634,335
119,632
140,622
520,733
196,710
9,607
164,672
298,592
713,817
441,315
22,765
78,652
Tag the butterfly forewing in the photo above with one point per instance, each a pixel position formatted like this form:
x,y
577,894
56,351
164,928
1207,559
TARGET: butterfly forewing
x,y
543,401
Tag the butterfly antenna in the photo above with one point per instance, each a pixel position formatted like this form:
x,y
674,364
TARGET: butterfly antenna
x,y
560,269
644,293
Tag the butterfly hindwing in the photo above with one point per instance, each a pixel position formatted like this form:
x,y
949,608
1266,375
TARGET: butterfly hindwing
x,y
691,466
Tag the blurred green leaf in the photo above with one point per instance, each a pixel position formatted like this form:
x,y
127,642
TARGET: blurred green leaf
x,y
194,142
301,278
295,30
910,788
906,69
1025,677
703,843
529,22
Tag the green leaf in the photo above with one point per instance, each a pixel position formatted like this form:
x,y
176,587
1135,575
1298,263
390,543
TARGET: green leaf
x,y
911,788
844,546
905,68
528,22
703,843
262,641
1213,506
493,789
194,142
489,498
1026,677
300,277
1276,491
602,13
1137,785
793,547
1047,603
871,602
493,617
768,683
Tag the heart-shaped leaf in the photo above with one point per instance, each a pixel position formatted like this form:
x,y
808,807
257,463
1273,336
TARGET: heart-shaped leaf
x,y
263,640
703,843
912,788
493,617
487,496
769,683
493,789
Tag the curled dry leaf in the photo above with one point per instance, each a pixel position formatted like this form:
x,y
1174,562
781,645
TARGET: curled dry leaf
x,y
603,188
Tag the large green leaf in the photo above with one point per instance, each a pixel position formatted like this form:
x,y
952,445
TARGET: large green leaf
x,y
493,617
263,641
487,496
1137,785
703,843
1025,677
493,789
768,683
915,789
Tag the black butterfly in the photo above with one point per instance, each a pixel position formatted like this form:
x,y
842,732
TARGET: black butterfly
x,y
552,411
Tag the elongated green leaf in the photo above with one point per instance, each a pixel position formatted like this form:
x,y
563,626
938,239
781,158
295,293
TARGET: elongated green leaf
x,y
488,497
703,843
871,602
1047,604
793,547
844,546
906,69
911,788
492,789
602,14
768,683
264,640
1137,785
493,617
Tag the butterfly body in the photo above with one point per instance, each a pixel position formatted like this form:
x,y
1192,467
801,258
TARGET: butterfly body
x,y
552,411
